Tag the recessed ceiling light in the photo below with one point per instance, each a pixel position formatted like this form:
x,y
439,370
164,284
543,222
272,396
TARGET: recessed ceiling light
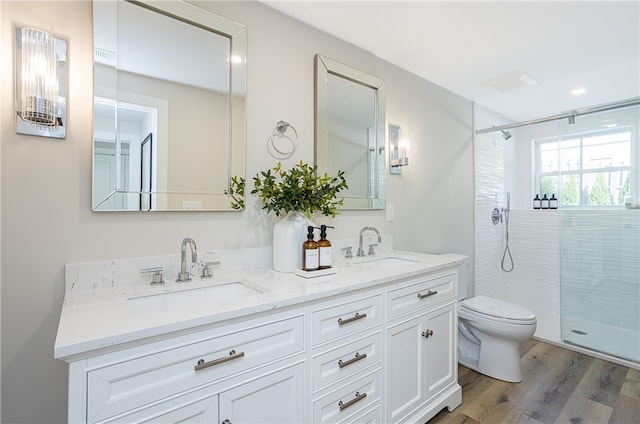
x,y
579,91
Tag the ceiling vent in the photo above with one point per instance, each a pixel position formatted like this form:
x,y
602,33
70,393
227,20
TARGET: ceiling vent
x,y
510,82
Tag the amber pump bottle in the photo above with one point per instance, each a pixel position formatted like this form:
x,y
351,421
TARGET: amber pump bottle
x,y
324,246
310,252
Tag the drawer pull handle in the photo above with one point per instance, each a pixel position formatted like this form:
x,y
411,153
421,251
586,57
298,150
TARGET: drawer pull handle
x,y
429,293
427,334
356,317
358,397
232,355
356,358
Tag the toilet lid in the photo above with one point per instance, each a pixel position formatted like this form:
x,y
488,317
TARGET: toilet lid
x,y
497,308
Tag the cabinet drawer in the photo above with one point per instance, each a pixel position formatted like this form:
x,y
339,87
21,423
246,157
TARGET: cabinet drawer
x,y
421,293
343,404
372,416
137,381
344,361
343,320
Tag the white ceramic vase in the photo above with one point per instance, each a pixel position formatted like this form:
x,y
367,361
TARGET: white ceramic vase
x,y
288,235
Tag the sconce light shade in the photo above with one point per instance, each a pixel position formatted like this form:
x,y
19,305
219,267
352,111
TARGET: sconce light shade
x,y
39,81
40,75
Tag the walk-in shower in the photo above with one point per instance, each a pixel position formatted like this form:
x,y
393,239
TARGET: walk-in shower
x,y
577,267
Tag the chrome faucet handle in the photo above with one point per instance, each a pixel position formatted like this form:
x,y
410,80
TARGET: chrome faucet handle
x,y
156,275
348,254
207,269
371,251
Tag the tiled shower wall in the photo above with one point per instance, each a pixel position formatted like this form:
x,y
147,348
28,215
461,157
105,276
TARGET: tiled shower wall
x,y
534,239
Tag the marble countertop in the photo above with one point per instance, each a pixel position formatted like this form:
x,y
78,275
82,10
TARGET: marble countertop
x,y
92,320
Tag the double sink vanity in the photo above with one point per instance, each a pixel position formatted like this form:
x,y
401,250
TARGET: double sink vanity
x,y
374,342
233,341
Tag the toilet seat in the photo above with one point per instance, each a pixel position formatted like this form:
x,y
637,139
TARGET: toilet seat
x,y
497,310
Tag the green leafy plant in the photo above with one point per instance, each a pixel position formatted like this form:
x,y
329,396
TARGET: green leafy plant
x,y
236,191
299,189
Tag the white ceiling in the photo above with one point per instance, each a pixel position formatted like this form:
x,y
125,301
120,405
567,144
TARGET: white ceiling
x,y
460,45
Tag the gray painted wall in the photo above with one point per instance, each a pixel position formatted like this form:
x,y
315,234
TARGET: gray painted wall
x,y
46,184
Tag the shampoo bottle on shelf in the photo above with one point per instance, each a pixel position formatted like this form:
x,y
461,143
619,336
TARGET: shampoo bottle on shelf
x,y
310,252
544,203
324,246
553,202
536,202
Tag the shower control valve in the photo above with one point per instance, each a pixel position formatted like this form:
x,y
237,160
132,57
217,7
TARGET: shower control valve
x,y
496,216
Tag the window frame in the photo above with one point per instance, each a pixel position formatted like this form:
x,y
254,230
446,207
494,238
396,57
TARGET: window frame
x,y
538,174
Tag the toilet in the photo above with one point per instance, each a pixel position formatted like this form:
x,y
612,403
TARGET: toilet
x,y
490,332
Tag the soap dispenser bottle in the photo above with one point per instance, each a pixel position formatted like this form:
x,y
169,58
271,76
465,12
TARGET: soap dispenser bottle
x,y
553,202
310,252
536,202
544,203
324,246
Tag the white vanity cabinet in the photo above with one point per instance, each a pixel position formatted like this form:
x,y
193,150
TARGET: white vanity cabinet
x,y
276,397
421,338
204,373
365,346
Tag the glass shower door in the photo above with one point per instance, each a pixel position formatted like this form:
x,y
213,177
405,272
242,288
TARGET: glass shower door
x,y
600,274
599,159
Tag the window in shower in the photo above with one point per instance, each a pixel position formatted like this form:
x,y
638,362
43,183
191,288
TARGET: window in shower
x,y
587,169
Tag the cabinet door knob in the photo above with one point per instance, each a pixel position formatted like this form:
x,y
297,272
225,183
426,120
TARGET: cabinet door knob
x,y
427,334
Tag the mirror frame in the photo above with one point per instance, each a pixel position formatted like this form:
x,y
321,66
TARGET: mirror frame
x,y
237,34
324,68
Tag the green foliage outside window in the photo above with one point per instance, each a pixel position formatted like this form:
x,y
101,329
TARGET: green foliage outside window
x,y
571,191
625,190
600,194
548,186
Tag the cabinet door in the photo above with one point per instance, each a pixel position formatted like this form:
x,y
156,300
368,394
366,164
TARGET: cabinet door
x,y
406,363
275,398
441,349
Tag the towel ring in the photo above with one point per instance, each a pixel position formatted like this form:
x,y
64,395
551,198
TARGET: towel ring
x,y
280,132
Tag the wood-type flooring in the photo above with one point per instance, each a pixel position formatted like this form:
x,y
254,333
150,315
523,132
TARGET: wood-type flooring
x,y
559,386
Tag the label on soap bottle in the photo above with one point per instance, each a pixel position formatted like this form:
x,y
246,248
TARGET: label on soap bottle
x,y
325,257
311,259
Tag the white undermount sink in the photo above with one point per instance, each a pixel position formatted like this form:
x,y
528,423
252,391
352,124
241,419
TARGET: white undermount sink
x,y
387,262
202,295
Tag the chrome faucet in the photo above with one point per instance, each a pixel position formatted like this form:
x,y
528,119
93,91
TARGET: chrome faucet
x,y
360,250
184,274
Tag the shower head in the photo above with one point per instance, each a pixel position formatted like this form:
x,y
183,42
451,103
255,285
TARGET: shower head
x,y
506,134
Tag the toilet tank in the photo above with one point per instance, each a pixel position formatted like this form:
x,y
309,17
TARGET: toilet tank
x,y
464,276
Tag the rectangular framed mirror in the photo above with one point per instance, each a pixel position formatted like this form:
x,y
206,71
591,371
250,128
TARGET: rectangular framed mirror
x,y
350,131
169,106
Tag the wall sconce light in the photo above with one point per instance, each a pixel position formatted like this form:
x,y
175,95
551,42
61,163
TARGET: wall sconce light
x,y
40,72
398,149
